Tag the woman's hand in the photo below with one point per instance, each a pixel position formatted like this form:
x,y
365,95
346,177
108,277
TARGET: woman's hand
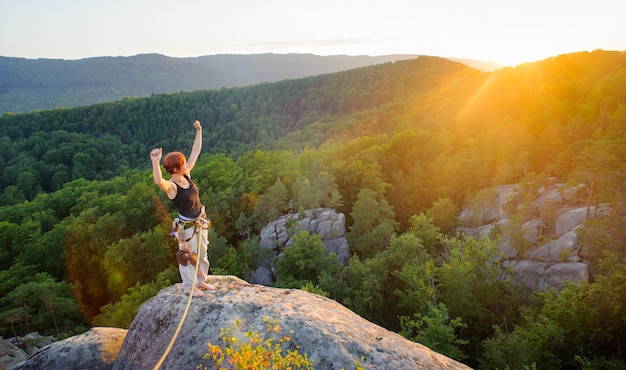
x,y
197,125
155,154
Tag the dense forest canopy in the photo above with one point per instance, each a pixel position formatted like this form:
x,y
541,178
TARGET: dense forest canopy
x,y
110,137
399,148
27,85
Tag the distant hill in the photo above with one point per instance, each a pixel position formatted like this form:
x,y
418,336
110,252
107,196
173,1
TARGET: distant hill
x,y
40,84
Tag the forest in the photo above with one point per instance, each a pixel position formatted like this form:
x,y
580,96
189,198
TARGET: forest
x,y
399,148
40,84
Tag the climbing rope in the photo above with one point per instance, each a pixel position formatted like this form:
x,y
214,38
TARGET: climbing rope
x,y
193,286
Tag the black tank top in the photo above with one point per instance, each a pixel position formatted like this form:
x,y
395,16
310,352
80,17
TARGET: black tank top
x,y
187,201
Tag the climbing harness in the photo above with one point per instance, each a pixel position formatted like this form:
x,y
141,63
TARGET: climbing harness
x,y
178,231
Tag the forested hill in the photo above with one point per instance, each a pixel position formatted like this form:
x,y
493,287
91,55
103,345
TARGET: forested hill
x,y
41,151
27,85
97,141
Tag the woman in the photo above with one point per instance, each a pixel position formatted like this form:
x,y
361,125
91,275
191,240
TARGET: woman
x,y
192,222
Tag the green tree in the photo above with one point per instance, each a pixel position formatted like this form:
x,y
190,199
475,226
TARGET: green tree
x,y
27,182
360,288
9,246
304,261
423,228
46,252
83,166
601,163
305,196
47,306
562,326
409,278
373,224
607,294
121,313
470,286
598,236
222,185
544,341
435,330
504,351
354,175
273,204
409,192
444,215
136,260
87,239
14,276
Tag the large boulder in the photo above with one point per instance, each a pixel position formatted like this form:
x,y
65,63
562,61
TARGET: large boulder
x,y
508,198
10,354
560,273
540,275
575,217
330,334
528,273
325,222
94,350
503,201
277,235
564,249
549,199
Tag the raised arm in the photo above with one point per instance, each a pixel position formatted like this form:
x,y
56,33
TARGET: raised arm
x,y
165,185
197,146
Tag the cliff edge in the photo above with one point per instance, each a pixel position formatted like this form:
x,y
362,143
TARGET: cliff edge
x,y
330,334
327,332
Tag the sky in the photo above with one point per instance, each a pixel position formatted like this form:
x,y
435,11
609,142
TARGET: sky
x,y
503,31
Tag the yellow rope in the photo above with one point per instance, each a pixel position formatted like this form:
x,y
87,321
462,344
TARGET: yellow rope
x,y
182,319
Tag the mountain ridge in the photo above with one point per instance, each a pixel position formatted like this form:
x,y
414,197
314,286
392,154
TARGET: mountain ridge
x,y
39,84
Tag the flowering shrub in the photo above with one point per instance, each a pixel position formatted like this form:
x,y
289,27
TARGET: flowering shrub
x,y
255,352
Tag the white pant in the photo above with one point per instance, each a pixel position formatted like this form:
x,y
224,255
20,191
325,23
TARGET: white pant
x,y
187,272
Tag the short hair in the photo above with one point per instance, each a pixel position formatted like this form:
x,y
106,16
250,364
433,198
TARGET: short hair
x,y
173,161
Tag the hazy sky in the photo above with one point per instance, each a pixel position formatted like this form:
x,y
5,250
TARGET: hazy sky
x,y
508,32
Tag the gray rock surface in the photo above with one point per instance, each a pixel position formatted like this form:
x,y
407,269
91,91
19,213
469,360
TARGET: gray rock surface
x,y
330,334
561,250
556,211
508,197
548,198
93,350
10,354
541,275
559,273
325,222
505,198
572,218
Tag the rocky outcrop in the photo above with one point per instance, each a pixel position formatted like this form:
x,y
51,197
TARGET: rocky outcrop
x,y
330,334
277,235
10,354
96,349
563,249
559,213
17,349
540,275
504,199
568,220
